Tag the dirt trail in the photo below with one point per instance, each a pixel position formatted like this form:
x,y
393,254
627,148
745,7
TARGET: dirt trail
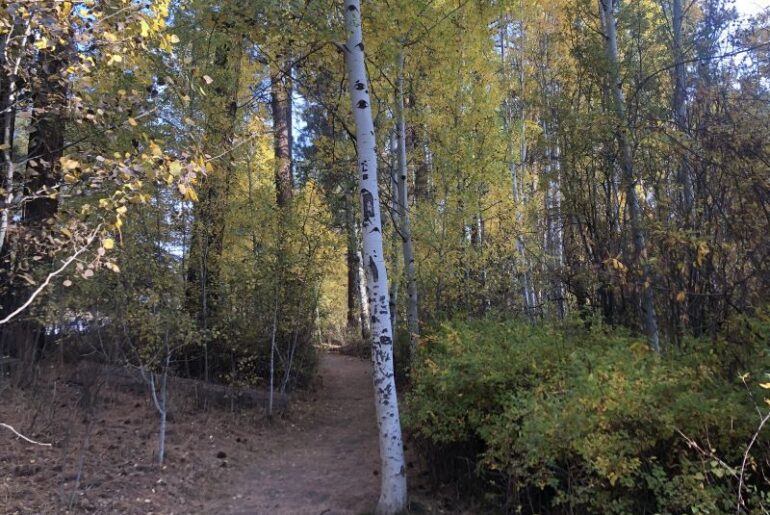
x,y
325,461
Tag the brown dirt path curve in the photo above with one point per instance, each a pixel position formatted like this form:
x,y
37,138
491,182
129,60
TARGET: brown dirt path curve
x,y
324,462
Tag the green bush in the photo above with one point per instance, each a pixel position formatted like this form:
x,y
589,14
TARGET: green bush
x,y
569,420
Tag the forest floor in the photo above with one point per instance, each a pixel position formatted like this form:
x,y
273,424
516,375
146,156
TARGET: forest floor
x,y
320,457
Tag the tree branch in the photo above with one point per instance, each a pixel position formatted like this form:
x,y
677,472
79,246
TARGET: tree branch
x,y
53,274
30,440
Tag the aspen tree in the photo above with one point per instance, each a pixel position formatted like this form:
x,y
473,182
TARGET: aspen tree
x,y
607,15
393,475
412,316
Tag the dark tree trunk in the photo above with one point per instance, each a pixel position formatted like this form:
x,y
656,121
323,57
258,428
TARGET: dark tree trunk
x,y
417,148
46,143
352,262
209,226
281,93
26,336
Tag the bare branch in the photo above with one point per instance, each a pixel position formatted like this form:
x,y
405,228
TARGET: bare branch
x,y
746,459
30,440
53,274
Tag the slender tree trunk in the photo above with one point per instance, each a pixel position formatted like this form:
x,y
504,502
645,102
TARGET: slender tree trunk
x,y
210,220
395,214
649,316
680,109
518,173
7,119
352,262
358,313
272,356
9,70
402,197
555,226
418,145
393,495
159,392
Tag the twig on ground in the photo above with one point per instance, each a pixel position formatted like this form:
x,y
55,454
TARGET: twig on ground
x,y
30,440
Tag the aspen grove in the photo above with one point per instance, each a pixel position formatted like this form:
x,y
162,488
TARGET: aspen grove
x,y
347,256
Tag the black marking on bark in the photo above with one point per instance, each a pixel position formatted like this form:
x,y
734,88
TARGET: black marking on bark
x,y
375,319
361,45
375,229
362,104
373,269
352,8
385,340
359,85
368,206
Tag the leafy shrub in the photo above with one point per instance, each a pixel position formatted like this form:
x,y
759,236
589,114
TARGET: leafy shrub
x,y
570,420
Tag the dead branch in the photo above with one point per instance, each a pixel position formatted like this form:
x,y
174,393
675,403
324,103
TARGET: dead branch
x,y
53,274
30,440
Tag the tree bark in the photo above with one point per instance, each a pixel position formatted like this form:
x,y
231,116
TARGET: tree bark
x,y
395,241
649,316
352,262
46,142
402,197
9,71
393,495
555,225
281,93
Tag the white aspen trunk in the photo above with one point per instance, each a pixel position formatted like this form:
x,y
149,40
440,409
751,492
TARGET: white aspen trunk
x,y
412,314
559,233
9,114
521,267
555,223
546,264
163,415
159,394
393,497
517,182
272,358
607,15
396,236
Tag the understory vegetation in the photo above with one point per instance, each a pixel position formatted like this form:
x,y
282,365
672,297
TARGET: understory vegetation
x,y
583,418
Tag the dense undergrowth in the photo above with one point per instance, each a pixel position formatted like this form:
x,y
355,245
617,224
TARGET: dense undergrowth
x,y
544,419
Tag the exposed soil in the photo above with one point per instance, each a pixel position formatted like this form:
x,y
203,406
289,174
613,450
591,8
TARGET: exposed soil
x,y
320,457
325,460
